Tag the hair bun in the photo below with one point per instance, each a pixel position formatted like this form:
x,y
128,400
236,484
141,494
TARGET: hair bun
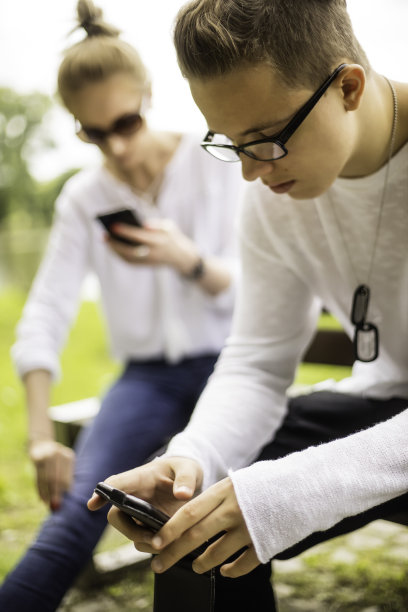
x,y
90,18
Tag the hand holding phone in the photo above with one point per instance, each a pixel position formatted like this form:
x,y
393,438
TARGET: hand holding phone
x,y
122,215
179,588
145,513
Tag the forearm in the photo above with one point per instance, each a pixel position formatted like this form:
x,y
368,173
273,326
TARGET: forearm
x,y
37,387
235,417
286,500
212,274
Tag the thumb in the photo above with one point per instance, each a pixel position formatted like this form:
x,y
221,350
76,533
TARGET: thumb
x,y
187,477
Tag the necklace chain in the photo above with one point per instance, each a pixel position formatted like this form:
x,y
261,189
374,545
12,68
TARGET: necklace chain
x,y
366,334
383,195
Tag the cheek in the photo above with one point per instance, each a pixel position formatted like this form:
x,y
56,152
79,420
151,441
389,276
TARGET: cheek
x,y
317,158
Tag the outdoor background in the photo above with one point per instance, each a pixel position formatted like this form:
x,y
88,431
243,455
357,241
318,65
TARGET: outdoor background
x,y
38,151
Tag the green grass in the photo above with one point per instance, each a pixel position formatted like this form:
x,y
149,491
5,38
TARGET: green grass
x,y
372,580
87,371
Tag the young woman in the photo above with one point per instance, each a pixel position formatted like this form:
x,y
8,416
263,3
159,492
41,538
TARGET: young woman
x,y
167,298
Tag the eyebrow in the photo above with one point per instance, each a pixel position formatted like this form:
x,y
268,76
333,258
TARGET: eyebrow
x,y
266,126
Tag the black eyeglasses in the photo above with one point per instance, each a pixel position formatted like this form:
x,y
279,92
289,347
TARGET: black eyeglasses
x,y
366,337
265,149
123,126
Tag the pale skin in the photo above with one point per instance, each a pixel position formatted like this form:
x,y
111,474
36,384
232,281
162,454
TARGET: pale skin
x,y
347,134
137,160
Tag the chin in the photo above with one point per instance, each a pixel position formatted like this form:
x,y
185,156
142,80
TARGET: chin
x,y
308,192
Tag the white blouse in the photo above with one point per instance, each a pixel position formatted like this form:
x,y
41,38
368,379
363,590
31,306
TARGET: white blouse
x,y
151,312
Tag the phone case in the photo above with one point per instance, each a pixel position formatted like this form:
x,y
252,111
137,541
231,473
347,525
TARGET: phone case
x,y
122,215
151,517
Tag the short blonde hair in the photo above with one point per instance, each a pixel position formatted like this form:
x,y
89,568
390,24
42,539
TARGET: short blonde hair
x,y
98,56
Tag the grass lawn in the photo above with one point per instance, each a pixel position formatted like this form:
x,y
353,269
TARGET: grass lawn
x,y
87,371
318,581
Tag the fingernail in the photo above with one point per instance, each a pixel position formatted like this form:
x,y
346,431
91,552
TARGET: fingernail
x,y
184,489
156,565
157,542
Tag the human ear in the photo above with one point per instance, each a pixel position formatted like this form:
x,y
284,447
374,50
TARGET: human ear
x,y
352,84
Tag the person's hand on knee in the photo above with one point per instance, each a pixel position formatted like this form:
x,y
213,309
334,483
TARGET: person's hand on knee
x,y
54,464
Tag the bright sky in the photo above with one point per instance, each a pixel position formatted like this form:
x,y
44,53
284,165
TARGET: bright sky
x,y
33,34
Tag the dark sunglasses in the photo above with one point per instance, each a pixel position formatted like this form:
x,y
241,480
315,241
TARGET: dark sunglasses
x,y
265,149
123,126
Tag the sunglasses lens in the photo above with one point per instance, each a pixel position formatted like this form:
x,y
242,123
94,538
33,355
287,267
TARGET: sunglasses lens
x,y
366,342
124,126
92,135
128,124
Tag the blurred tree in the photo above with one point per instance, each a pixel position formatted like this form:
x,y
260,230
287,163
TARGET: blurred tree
x,y
22,133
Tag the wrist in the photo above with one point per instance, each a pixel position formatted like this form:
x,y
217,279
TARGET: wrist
x,y
39,437
197,271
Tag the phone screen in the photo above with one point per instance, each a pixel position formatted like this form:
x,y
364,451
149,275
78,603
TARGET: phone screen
x,y
122,215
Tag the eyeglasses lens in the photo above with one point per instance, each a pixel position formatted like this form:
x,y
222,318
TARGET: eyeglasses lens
x,y
265,151
224,154
223,149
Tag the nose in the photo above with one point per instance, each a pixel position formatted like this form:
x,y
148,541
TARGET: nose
x,y
116,144
253,169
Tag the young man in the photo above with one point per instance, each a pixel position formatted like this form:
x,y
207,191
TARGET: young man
x,y
286,89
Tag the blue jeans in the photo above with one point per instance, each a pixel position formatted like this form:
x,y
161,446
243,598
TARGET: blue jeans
x,y
149,403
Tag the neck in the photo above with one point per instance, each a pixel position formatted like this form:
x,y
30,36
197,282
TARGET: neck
x,y
156,151
374,123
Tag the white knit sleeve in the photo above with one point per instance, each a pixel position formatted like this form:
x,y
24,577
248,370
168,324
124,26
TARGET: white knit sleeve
x,y
245,401
286,500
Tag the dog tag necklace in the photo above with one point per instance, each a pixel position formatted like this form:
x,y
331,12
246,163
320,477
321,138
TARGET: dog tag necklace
x,y
366,335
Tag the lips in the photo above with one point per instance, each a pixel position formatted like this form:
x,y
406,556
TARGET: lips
x,y
282,187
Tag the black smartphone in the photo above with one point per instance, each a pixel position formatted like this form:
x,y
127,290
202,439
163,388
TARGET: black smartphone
x,y
148,515
121,215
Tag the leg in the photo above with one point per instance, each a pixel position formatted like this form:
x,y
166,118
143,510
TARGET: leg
x,y
322,417
147,405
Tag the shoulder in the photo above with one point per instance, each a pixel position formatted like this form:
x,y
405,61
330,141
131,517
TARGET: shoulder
x,y
83,182
84,194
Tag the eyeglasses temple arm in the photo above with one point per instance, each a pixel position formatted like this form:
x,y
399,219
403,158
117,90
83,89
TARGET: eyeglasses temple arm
x,y
302,113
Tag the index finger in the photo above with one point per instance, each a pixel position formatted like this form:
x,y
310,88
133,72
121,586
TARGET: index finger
x,y
126,481
140,234
186,517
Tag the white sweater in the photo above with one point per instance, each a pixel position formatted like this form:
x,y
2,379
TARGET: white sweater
x,y
151,312
294,260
